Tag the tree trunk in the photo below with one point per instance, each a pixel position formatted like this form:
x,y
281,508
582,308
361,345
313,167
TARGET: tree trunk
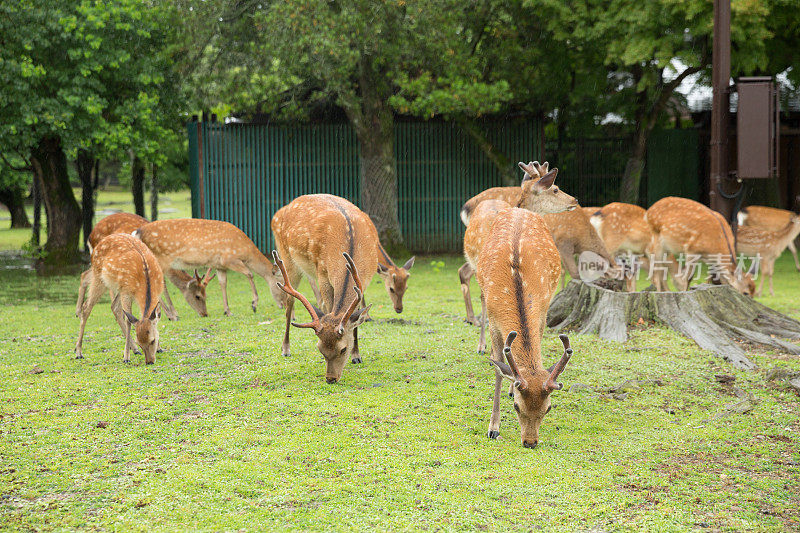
x,y
154,194
14,199
632,179
716,317
137,185
36,194
86,165
63,212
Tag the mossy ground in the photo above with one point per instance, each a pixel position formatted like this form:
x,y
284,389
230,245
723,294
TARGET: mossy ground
x,y
223,433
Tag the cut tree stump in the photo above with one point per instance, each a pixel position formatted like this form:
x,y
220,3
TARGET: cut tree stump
x,y
716,317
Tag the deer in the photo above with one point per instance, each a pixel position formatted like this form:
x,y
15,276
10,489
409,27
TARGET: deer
x,y
327,238
518,271
683,226
192,288
395,278
770,219
126,267
537,193
623,230
766,246
193,243
573,235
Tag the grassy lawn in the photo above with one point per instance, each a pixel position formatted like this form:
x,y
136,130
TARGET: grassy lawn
x,y
223,433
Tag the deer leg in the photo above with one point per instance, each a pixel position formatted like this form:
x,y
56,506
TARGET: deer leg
x,y
166,304
315,289
222,276
96,289
356,357
482,339
126,304
494,421
285,346
465,274
240,267
85,278
568,257
793,249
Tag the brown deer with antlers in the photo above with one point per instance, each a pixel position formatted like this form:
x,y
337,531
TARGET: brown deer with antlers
x,y
192,288
537,194
328,239
195,243
127,268
518,271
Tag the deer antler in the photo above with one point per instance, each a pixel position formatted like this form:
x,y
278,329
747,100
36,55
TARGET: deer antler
x,y
291,291
359,288
521,384
529,169
551,384
206,279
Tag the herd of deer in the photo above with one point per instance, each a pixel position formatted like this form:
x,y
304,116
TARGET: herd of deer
x,y
516,241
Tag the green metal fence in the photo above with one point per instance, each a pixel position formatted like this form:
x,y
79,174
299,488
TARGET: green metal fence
x,y
243,173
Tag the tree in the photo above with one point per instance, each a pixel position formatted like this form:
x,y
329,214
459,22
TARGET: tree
x,y
80,75
14,182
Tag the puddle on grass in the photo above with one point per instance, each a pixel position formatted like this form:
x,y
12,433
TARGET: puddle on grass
x,y
15,260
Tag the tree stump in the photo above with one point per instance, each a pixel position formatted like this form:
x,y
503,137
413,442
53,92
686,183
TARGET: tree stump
x,y
716,317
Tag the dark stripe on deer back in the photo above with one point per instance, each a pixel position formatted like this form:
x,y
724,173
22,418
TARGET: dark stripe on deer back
x,y
340,301
519,295
385,255
148,295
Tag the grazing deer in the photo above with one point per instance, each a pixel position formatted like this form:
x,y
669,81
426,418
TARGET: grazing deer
x,y
129,270
194,243
518,271
683,226
536,194
573,235
395,278
624,230
770,219
313,234
192,288
767,245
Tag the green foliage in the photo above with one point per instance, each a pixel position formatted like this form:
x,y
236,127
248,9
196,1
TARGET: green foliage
x,y
223,433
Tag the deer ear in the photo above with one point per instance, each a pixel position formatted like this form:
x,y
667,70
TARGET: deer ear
x,y
409,263
132,319
190,283
358,317
382,269
504,369
546,181
317,310
156,314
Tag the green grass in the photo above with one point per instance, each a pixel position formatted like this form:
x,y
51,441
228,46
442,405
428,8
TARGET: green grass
x,y
223,433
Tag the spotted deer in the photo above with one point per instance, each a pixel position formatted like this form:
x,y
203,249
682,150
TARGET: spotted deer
x,y
127,268
683,226
330,240
624,231
537,193
192,288
770,219
767,246
193,243
395,278
518,271
573,235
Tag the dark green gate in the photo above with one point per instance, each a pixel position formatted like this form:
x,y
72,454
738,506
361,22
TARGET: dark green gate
x,y
243,173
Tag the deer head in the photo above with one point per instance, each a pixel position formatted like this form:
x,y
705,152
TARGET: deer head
x,y
146,331
742,281
532,388
334,330
539,194
396,281
194,291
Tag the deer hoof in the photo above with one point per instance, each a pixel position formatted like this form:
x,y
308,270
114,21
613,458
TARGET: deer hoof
x,y
79,356
160,350
482,349
254,307
493,434
357,360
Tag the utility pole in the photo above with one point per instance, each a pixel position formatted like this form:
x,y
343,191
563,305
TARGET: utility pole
x,y
719,193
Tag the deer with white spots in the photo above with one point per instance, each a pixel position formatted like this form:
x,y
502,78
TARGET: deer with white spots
x,y
624,230
537,194
767,246
770,219
395,278
330,240
683,226
127,268
193,243
518,271
192,288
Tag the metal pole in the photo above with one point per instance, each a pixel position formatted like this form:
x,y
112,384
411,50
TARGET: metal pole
x,y
721,74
